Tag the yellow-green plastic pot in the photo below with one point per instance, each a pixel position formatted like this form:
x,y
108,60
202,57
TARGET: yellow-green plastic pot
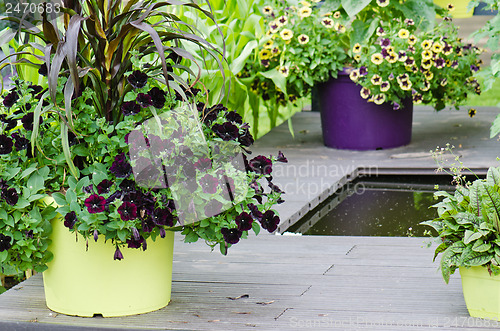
x,y
460,8
85,282
481,292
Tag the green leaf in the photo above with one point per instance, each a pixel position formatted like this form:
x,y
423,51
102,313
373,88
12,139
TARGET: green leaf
x,y
3,255
352,7
35,182
122,234
27,172
476,259
59,198
493,177
441,248
480,246
470,236
277,77
191,237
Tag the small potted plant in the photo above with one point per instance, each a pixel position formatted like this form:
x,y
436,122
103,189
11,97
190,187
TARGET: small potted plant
x,y
468,225
113,153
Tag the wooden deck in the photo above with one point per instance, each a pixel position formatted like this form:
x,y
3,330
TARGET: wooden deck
x,y
285,282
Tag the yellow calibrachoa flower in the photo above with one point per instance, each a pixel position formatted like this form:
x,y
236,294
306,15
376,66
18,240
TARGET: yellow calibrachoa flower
x,y
354,75
267,10
382,3
392,57
327,22
357,48
427,54
284,71
412,39
340,28
303,39
472,112
426,44
426,87
379,99
377,58
282,20
403,34
365,93
264,54
405,85
428,75
305,12
450,7
274,26
305,4
276,51
336,14
385,86
286,34
437,47
426,64
268,44
357,57
443,82
376,79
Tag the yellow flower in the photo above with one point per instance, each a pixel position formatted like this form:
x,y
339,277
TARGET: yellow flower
x,y
403,78
392,57
437,47
450,7
276,51
426,64
405,85
267,10
376,80
412,39
340,28
443,82
472,112
428,75
268,44
385,86
379,99
357,57
354,75
282,20
427,86
327,22
377,58
382,3
305,12
305,4
336,14
357,48
274,26
403,34
286,34
426,44
365,93
303,39
284,71
264,54
427,54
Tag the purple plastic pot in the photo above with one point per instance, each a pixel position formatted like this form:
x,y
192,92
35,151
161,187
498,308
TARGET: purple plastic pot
x,y
350,122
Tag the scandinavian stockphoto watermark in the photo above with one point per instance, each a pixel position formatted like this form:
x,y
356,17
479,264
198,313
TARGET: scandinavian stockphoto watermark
x,y
205,178
30,12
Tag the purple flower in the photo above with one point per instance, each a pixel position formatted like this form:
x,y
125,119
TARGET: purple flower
x,y
163,216
10,99
281,157
118,254
127,211
115,195
203,164
10,195
5,144
209,184
255,212
363,71
35,89
144,100
385,42
95,204
29,234
384,52
137,79
270,221
120,167
157,97
20,142
96,235
127,185
27,121
43,70
130,108
233,116
261,165
103,186
396,106
474,67
246,138
244,221
439,62
147,223
227,131
136,243
231,236
5,242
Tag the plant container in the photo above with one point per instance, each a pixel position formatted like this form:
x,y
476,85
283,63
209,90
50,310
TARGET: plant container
x,y
481,292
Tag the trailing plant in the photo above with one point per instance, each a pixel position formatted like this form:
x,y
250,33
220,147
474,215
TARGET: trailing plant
x,y
468,221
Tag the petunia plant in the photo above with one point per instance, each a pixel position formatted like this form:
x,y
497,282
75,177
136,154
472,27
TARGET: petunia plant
x,y
427,67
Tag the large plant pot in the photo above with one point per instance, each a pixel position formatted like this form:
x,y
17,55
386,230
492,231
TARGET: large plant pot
x,y
350,122
88,282
460,10
481,292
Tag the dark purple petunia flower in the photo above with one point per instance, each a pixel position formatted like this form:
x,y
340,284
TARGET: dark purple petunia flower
x,y
95,204
137,79
88,189
135,243
270,221
127,185
189,170
474,67
118,254
43,70
104,186
203,164
275,188
5,242
234,117
261,165
246,138
127,211
144,100
28,120
130,108
281,157
157,97
113,197
209,184
5,144
35,89
211,113
29,234
384,52
227,131
244,221
231,236
10,195
120,167
255,212
163,216
10,99
147,223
